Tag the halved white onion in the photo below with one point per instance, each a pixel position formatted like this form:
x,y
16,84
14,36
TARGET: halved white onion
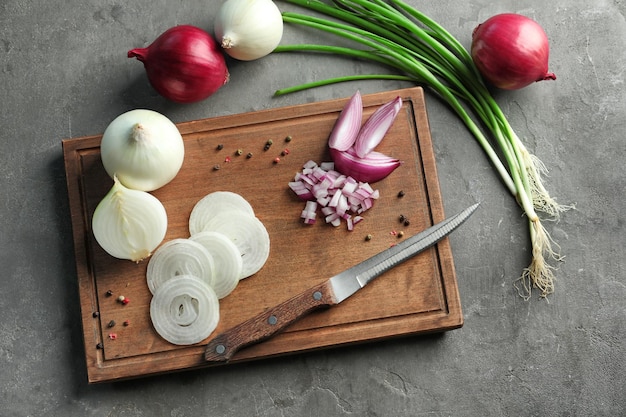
x,y
227,262
129,224
248,233
184,310
213,204
179,257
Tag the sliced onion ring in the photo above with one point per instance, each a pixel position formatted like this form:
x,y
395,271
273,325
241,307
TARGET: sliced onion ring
x,y
227,262
213,204
179,257
184,310
247,233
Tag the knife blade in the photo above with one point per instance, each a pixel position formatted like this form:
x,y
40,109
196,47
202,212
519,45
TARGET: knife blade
x,y
331,292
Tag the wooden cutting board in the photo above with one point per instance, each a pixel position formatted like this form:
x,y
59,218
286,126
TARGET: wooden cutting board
x,y
418,296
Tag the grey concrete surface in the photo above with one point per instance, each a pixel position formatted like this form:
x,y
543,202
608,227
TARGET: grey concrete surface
x,y
64,73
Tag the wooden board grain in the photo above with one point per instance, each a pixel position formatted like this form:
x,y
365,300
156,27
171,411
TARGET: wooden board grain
x,y
416,297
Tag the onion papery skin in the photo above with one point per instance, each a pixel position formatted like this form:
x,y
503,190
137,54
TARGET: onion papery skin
x,y
248,29
143,149
129,224
184,64
372,168
346,128
511,51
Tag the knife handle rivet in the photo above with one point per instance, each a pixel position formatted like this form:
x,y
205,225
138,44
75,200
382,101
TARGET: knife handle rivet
x,y
220,349
317,295
272,320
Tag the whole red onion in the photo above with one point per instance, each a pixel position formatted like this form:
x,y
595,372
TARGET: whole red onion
x,y
184,64
511,51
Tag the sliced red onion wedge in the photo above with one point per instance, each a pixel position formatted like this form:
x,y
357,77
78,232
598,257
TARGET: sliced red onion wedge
x,y
375,127
373,167
184,310
227,262
247,233
179,257
348,123
214,203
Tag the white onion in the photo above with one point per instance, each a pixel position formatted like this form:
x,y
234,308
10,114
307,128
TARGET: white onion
x,y
184,310
214,203
227,262
248,29
247,233
129,224
179,257
143,148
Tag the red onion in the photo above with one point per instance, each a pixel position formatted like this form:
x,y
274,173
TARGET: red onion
x,y
338,196
348,124
372,168
376,127
511,51
184,64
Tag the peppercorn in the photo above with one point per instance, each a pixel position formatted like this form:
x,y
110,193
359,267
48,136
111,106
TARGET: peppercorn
x,y
402,218
109,293
216,167
100,346
95,314
249,155
407,222
111,323
401,194
126,323
288,139
220,147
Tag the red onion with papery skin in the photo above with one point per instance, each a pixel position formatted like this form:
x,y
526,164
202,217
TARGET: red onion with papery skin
x,y
184,64
511,51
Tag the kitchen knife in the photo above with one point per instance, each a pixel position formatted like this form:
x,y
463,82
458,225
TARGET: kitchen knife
x,y
331,292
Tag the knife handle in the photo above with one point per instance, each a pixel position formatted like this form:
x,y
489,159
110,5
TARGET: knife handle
x,y
268,323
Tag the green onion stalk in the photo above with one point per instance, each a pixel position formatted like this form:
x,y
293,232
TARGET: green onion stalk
x,y
420,50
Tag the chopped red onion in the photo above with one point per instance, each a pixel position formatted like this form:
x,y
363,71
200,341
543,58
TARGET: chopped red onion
x,y
337,196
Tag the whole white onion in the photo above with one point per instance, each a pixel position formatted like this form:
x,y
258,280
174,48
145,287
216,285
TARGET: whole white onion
x,y
143,149
248,29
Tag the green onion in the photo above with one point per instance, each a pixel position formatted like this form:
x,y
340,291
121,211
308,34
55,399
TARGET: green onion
x,y
421,51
